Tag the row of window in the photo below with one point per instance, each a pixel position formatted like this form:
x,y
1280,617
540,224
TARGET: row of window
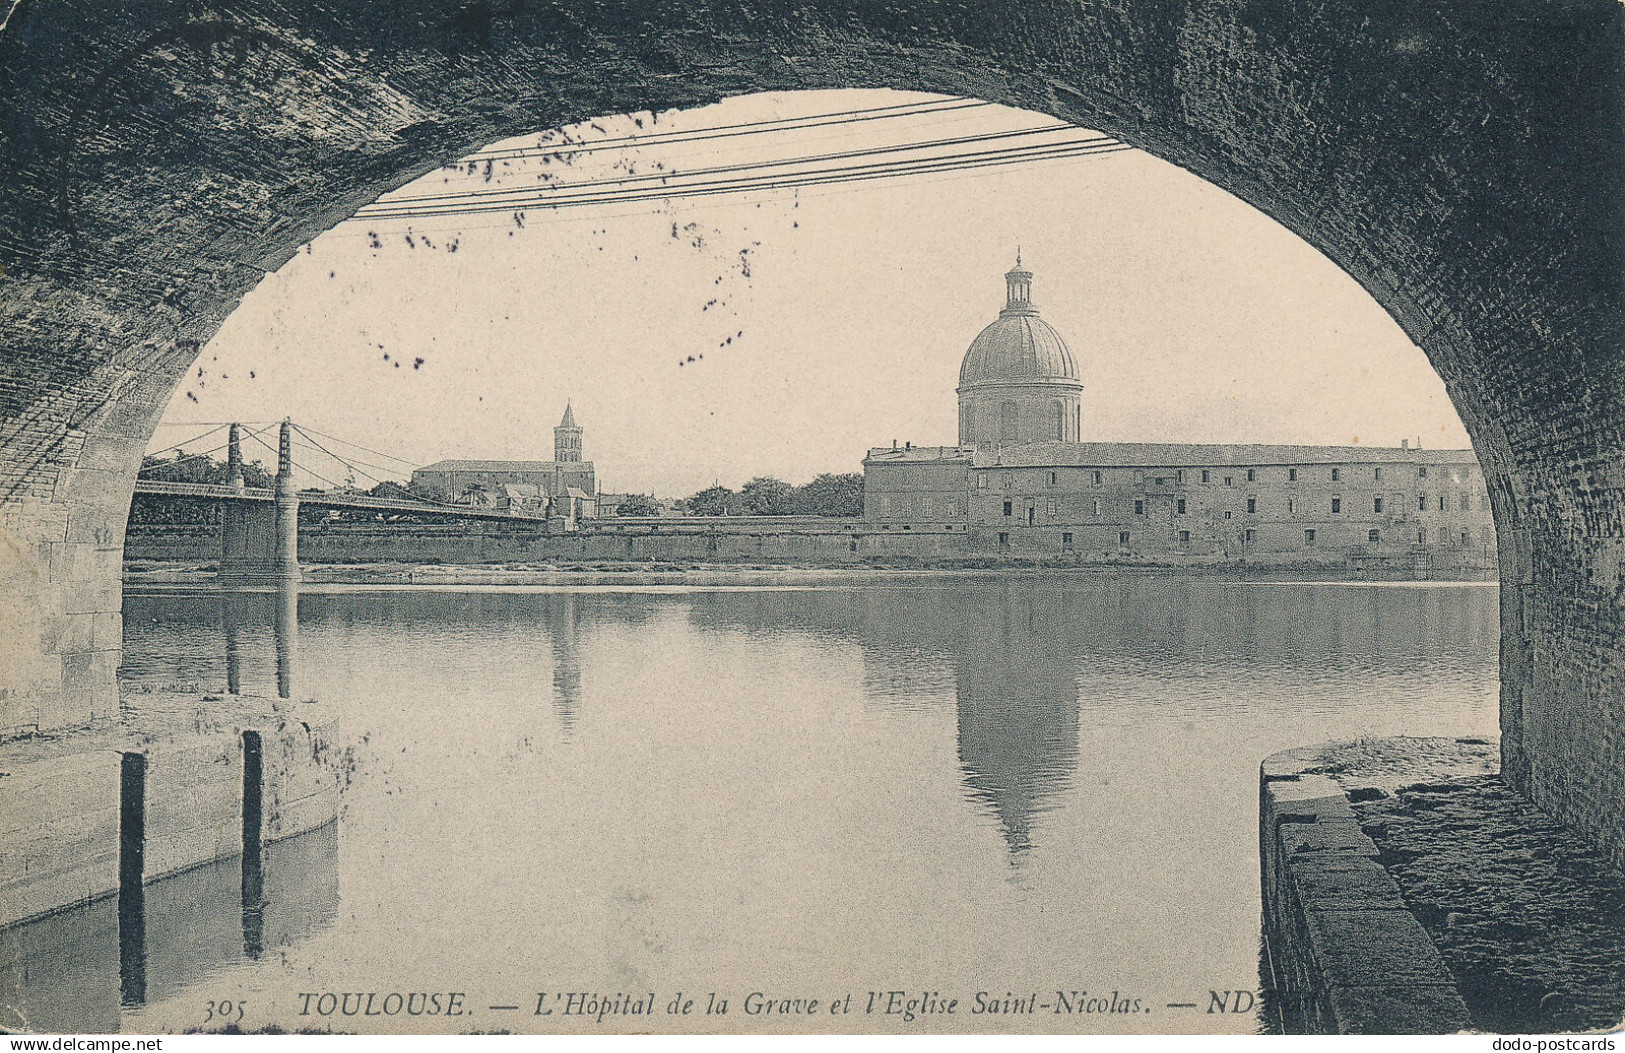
x,y
1377,506
1250,537
1098,477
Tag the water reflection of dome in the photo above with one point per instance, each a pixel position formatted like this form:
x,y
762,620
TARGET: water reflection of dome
x,y
1008,651
1017,755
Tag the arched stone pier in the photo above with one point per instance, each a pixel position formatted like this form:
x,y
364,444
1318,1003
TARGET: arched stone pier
x,y
1464,163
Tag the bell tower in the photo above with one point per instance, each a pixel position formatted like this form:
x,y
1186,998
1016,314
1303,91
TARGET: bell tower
x,y
567,438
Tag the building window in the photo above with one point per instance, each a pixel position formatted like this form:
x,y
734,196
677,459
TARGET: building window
x,y
1179,476
925,506
1374,537
1422,536
1376,474
1049,506
1008,506
1180,507
1291,505
1206,476
1252,476
1252,505
1464,539
1007,482
1052,478
1139,508
1336,474
1122,537
1291,475
1422,503
1059,409
1466,503
1229,480
981,482
1422,472
1097,478
1004,540
1337,505
1007,422
1248,537
1066,540
1227,515
1308,537
1184,537
1097,506
1376,504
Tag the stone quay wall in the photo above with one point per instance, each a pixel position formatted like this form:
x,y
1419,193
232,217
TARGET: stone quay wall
x,y
1343,954
822,542
83,813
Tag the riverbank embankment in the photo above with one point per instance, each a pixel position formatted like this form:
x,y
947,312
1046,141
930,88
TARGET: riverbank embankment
x,y
1408,889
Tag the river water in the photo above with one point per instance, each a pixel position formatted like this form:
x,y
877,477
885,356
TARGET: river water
x,y
982,787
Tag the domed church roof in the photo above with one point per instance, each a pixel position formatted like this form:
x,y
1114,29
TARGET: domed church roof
x,y
1019,347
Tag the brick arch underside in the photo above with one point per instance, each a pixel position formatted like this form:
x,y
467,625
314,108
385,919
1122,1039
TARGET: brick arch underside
x,y
1462,162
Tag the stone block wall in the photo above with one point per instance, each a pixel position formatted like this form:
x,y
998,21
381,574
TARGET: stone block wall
x,y
61,799
59,831
1343,954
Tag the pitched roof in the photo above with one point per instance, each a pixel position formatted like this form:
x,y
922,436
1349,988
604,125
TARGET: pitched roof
x,y
1167,455
1199,455
506,466
489,466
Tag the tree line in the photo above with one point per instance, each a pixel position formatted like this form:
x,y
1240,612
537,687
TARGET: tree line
x,y
827,495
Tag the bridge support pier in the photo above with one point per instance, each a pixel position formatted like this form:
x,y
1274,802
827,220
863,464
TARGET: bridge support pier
x,y
259,543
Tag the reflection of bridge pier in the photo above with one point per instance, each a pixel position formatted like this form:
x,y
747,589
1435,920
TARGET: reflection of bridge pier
x,y
564,636
240,610
259,541
72,970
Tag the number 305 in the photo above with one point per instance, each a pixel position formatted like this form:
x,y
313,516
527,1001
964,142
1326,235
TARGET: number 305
x,y
226,1012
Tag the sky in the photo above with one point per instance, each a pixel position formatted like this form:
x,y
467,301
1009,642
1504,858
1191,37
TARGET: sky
x,y
784,333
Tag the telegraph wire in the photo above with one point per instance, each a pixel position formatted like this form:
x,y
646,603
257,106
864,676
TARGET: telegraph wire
x,y
729,131
849,174
562,215
743,166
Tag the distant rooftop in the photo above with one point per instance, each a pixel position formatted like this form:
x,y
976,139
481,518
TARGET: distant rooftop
x,y
505,466
1168,455
920,453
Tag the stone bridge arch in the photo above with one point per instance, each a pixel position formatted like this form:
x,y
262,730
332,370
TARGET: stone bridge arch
x,y
1463,162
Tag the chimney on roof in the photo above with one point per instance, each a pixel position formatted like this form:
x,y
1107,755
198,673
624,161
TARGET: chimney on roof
x,y
1404,444
894,444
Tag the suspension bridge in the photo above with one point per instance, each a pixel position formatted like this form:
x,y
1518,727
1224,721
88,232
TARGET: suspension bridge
x,y
259,534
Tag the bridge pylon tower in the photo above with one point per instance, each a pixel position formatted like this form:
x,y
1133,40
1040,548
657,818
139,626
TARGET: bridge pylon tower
x,y
259,542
